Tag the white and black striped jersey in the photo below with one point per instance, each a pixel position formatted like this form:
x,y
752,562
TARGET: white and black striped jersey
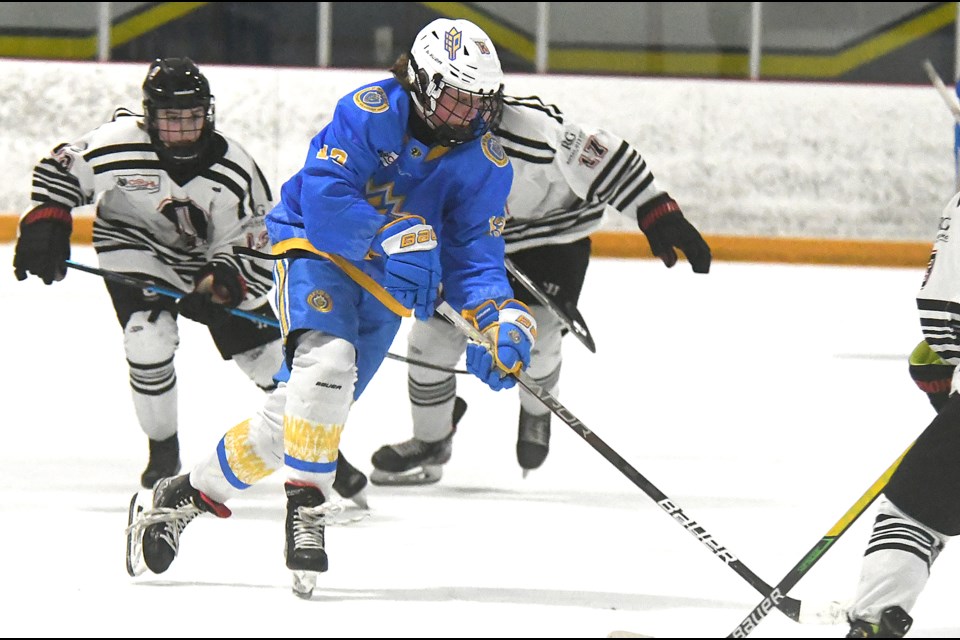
x,y
939,298
155,222
565,175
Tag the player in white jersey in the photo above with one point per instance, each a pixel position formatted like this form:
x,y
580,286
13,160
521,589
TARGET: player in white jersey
x,y
173,198
920,511
566,177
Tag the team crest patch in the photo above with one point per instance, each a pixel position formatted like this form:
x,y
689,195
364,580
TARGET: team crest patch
x,y
482,47
372,99
452,42
493,150
321,301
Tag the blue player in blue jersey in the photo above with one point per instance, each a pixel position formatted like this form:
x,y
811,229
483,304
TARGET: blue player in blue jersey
x,y
403,191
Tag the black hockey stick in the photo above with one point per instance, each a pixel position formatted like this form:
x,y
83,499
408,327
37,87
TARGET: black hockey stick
x,y
571,318
789,606
813,556
137,283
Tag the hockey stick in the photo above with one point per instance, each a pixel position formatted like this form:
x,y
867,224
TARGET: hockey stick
x,y
137,283
572,320
789,606
813,556
949,99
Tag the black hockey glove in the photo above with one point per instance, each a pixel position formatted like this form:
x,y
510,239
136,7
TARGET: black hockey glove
x,y
663,223
219,287
43,247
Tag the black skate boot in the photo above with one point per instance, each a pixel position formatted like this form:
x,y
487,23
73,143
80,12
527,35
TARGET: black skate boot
x,y
414,461
164,461
157,519
894,623
533,440
304,550
350,482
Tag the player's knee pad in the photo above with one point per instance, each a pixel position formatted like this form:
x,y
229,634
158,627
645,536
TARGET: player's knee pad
x,y
322,378
149,343
149,339
262,363
931,374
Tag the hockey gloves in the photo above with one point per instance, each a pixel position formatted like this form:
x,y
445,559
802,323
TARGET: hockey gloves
x,y
512,331
412,267
43,245
218,287
665,227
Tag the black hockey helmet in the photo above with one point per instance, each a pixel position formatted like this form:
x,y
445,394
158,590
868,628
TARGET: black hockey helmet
x,y
176,83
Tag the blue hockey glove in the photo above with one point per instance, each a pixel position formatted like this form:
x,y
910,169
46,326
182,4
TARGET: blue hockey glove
x,y
412,268
512,332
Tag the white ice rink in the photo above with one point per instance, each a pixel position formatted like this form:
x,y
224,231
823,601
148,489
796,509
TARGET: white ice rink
x,y
763,399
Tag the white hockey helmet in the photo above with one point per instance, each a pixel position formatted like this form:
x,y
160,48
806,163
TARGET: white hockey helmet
x,y
457,80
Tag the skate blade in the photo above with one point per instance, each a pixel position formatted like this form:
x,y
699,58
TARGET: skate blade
x,y
140,501
360,499
304,583
427,474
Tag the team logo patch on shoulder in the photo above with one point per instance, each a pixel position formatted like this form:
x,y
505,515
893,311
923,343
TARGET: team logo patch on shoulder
x,y
493,150
321,301
482,47
372,99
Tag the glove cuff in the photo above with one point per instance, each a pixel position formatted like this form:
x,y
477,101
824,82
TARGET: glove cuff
x,y
650,213
517,313
48,211
227,278
404,234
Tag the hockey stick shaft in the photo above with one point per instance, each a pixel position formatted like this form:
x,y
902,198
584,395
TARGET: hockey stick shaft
x,y
948,98
576,325
813,556
137,283
788,606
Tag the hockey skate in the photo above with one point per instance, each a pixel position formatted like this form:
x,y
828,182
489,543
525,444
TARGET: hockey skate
x,y
414,461
350,483
304,547
164,461
533,440
157,518
894,623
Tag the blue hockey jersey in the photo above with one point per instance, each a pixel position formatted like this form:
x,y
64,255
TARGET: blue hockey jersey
x,y
365,166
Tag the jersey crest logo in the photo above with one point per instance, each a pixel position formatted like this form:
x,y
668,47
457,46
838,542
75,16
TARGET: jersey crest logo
x,y
372,99
320,300
493,150
452,42
497,224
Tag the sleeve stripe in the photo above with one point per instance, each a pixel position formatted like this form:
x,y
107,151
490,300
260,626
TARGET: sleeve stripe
x,y
614,161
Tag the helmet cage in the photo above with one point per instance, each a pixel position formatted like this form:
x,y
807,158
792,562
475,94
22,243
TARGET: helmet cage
x,y
173,88
455,115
